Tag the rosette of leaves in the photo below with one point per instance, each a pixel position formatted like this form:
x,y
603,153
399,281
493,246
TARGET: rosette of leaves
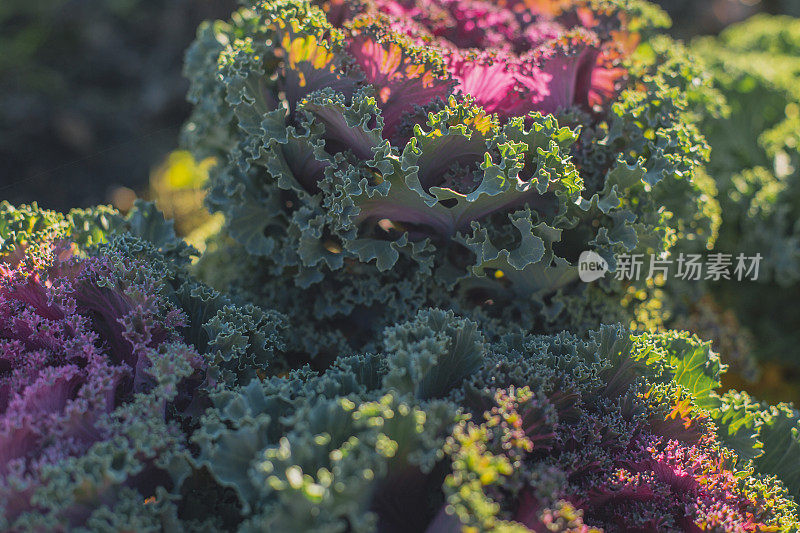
x,y
107,352
756,165
443,430
84,349
450,153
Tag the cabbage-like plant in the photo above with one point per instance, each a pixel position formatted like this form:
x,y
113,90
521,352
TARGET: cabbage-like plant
x,y
82,343
400,152
132,396
442,431
106,356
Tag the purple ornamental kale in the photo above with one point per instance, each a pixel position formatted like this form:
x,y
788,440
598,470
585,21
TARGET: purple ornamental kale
x,y
535,458
77,340
510,57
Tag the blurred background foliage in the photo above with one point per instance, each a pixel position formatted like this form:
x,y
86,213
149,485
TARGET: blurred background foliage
x,y
755,162
91,95
92,100
705,17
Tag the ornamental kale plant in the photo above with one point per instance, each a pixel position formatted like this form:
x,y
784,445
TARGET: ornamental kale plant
x,y
87,350
136,397
407,187
444,431
105,353
377,156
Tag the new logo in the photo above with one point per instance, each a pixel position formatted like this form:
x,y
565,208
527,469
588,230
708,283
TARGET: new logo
x,y
591,267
